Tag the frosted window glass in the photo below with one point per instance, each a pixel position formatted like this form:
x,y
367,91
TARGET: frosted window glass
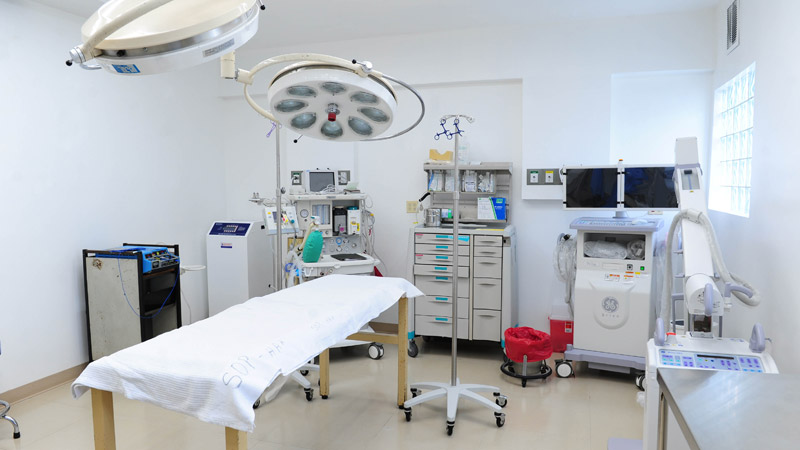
x,y
732,148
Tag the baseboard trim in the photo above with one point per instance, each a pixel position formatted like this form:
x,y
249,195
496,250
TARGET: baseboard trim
x,y
44,384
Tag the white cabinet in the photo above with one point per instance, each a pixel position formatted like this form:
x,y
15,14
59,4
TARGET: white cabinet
x,y
487,300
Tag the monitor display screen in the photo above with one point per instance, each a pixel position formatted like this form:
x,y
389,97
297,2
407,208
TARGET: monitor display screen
x,y
591,188
650,188
319,181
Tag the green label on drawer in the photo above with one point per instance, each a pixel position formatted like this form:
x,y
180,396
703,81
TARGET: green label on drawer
x,y
442,257
441,278
441,299
441,319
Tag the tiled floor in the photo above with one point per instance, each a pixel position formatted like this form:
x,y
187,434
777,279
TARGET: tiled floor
x,y
574,413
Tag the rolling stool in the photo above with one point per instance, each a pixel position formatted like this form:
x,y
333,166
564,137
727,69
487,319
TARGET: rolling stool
x,y
524,345
5,407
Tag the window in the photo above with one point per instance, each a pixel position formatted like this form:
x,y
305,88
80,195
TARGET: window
x,y
732,146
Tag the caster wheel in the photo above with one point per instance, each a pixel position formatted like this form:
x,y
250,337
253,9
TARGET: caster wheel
x,y
309,394
564,369
303,372
408,414
414,392
257,403
500,399
17,435
413,350
640,381
375,350
500,418
524,383
324,397
450,428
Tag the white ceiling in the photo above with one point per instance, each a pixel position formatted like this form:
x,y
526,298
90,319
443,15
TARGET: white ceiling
x,y
302,21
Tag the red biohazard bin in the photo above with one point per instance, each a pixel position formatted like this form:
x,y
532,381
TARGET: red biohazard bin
x,y
560,332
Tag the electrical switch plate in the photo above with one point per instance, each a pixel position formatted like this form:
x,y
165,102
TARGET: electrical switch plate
x,y
533,177
548,177
411,206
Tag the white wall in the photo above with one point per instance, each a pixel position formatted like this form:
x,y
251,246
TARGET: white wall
x,y
649,110
762,248
566,95
90,160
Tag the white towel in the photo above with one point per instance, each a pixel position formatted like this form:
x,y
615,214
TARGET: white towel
x,y
215,369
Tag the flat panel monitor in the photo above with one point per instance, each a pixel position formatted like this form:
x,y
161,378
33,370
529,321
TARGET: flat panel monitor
x,y
319,181
591,188
649,188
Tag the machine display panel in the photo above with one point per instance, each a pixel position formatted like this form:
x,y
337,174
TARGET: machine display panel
x,y
649,188
319,181
591,188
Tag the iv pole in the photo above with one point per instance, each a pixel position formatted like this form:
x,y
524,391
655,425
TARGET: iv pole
x,y
454,390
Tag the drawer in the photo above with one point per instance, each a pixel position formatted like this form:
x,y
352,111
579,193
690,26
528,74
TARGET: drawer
x,y
432,238
488,267
486,325
487,293
441,306
433,269
494,252
489,241
440,326
441,285
441,249
427,258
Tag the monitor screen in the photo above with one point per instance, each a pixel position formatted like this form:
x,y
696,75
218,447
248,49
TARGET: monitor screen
x,y
319,181
591,188
650,188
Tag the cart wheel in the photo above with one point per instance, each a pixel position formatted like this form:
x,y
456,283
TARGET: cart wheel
x,y
640,381
564,369
524,382
500,399
324,397
413,350
500,418
257,403
408,414
450,428
414,392
375,350
309,394
303,372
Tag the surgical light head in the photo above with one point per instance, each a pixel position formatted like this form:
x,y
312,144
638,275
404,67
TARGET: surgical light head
x,y
332,102
141,37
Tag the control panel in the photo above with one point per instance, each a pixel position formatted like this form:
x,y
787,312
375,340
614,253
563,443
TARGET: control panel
x,y
229,229
342,244
152,257
738,363
289,219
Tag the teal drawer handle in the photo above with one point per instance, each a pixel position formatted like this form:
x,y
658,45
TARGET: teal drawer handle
x,y
441,278
441,299
442,246
441,319
463,238
439,268
442,257
444,236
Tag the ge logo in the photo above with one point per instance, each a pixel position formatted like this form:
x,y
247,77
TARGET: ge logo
x,y
610,304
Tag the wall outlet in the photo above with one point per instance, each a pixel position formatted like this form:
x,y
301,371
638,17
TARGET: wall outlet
x,y
548,177
411,206
533,177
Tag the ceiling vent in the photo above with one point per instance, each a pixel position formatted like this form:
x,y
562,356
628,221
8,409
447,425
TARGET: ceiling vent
x,y
733,26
